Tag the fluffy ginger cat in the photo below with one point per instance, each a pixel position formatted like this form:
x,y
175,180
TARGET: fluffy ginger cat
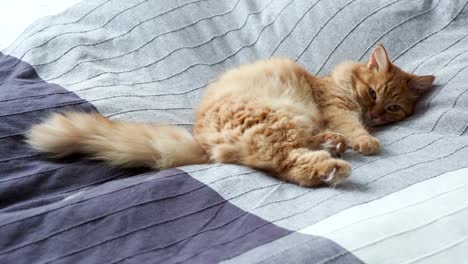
x,y
271,115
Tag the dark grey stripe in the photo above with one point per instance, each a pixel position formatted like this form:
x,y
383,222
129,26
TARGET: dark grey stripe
x,y
196,224
48,211
25,175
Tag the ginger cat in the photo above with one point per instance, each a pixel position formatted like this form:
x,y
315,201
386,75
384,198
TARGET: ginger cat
x,y
271,115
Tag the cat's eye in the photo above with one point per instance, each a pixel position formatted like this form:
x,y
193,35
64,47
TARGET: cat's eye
x,y
372,94
394,108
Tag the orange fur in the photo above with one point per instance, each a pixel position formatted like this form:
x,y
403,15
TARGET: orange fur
x,y
271,115
119,143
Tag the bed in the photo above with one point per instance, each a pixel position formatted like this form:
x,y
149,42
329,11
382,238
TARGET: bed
x,y
149,60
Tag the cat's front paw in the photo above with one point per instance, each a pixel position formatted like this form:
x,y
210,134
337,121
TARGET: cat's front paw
x,y
366,145
332,142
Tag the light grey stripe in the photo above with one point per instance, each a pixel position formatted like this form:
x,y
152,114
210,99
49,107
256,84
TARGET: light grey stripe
x,y
155,71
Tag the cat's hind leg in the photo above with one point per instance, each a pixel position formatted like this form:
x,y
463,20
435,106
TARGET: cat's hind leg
x,y
278,143
311,168
283,151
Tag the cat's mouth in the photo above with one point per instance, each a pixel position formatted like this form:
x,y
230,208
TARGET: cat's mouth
x,y
372,123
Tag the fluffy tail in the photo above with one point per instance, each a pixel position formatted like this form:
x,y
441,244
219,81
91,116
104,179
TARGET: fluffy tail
x,y
118,143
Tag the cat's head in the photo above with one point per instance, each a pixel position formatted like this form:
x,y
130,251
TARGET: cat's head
x,y
385,93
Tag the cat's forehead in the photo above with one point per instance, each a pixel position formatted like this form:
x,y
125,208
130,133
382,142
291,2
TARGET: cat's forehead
x,y
391,81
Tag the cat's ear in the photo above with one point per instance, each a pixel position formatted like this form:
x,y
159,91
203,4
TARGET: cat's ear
x,y
421,84
379,60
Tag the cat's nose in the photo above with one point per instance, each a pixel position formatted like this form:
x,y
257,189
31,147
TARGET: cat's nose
x,y
373,115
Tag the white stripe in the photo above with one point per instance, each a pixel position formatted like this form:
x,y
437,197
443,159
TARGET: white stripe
x,y
418,224
19,14
431,255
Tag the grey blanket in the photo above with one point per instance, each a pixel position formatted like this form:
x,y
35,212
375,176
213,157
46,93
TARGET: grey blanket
x,y
149,60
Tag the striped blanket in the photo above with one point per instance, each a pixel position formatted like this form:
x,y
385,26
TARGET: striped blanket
x,y
149,60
